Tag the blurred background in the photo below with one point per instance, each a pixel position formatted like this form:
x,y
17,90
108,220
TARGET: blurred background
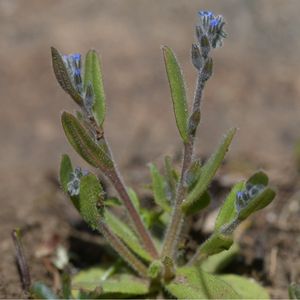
x,y
256,87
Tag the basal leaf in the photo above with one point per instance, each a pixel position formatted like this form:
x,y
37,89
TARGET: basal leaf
x,y
117,286
159,188
93,74
209,170
63,77
245,287
125,233
84,144
228,211
91,200
194,283
178,92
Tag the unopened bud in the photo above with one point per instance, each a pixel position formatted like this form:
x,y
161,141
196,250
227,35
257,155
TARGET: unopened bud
x,y
196,57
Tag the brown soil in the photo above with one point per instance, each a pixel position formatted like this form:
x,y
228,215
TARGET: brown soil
x,y
255,87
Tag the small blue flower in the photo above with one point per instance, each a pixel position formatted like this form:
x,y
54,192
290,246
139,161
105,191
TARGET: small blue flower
x,y
206,13
214,22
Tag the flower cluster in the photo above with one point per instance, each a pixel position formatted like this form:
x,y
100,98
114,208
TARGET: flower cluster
x,y
211,26
73,64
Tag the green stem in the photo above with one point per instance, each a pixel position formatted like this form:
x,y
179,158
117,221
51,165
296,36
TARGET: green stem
x,y
122,250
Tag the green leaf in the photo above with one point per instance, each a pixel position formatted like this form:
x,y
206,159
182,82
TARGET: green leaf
x,y
112,201
159,188
91,200
194,283
193,174
41,291
259,178
84,144
63,77
126,235
171,176
294,291
228,211
65,171
264,198
216,243
117,286
197,205
66,286
178,92
209,170
217,262
134,198
93,74
246,288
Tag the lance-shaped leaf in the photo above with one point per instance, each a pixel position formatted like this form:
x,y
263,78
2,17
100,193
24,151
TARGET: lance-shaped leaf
x,y
197,205
246,288
263,199
93,74
117,286
228,211
159,188
63,77
194,283
84,144
91,200
124,232
209,170
178,92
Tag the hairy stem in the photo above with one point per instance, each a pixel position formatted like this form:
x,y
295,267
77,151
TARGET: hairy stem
x,y
119,185
175,226
122,250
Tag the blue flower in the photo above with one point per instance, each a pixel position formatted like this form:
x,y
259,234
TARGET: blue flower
x,y
205,13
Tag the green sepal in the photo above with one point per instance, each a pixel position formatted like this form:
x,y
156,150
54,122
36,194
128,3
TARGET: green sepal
x,y
65,171
40,291
125,233
209,170
93,74
197,205
159,188
245,287
194,283
63,77
227,212
264,198
91,200
216,243
155,269
116,286
84,144
178,92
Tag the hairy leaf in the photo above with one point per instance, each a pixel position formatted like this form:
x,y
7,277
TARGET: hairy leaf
x,y
194,283
93,74
209,170
178,92
63,77
83,143
91,200
228,211
126,235
159,188
246,288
